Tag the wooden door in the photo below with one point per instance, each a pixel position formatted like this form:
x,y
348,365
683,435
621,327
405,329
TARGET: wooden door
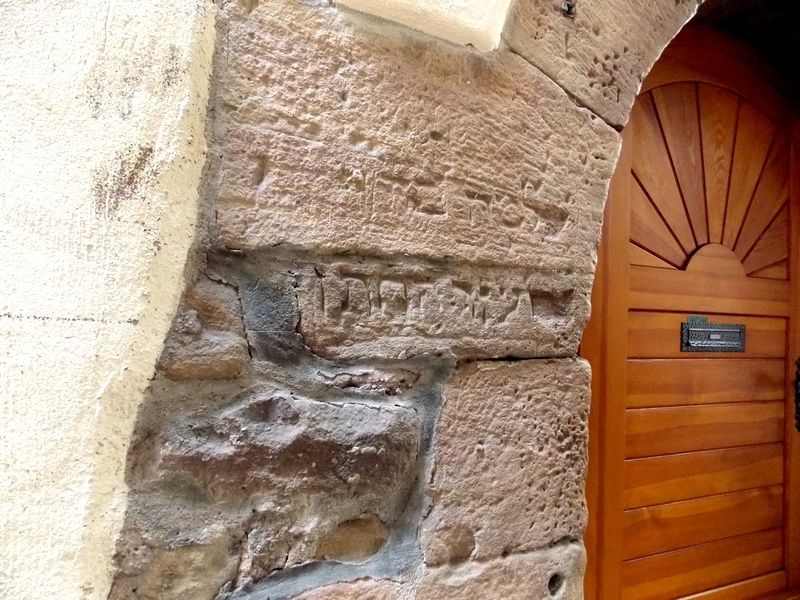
x,y
692,485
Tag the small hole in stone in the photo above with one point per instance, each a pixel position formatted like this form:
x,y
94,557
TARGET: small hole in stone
x,y
555,584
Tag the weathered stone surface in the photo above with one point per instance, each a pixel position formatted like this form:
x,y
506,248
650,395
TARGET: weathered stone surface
x,y
602,55
276,440
283,478
351,309
387,143
204,355
191,571
544,575
354,539
510,460
391,382
356,590
217,305
207,339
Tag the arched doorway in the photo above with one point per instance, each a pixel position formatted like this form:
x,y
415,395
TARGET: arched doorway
x,y
695,461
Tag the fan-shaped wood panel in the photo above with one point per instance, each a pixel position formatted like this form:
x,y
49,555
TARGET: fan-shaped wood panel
x,y
710,168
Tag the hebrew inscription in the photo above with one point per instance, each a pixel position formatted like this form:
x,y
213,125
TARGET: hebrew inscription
x,y
352,309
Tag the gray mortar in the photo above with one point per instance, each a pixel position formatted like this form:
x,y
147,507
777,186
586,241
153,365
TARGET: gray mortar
x,y
266,288
271,320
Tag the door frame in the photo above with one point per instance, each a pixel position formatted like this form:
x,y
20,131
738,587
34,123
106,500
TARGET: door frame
x,y
703,55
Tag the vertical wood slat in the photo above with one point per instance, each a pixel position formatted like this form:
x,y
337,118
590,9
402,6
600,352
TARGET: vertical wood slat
x,y
754,136
718,113
615,285
677,106
653,168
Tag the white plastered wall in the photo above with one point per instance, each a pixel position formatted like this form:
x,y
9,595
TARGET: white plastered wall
x,y
476,22
102,142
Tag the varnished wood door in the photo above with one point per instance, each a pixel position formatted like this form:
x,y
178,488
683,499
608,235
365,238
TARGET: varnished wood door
x,y
692,489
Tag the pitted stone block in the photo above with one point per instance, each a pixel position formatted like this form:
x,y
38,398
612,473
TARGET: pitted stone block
x,y
553,573
510,460
603,52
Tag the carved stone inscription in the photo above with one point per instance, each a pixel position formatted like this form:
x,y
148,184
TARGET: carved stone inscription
x,y
353,309
393,145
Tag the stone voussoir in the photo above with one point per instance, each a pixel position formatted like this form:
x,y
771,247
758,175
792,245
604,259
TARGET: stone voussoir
x,y
510,460
601,53
389,143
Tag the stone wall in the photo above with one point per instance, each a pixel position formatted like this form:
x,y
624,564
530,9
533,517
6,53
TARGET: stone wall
x,y
371,389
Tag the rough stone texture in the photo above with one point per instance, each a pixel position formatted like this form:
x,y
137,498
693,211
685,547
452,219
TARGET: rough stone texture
x,y
350,309
390,144
553,573
391,382
510,460
357,590
191,571
207,339
264,479
602,55
273,439
354,539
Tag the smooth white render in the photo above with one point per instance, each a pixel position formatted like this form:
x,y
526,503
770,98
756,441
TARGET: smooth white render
x,y
476,22
102,138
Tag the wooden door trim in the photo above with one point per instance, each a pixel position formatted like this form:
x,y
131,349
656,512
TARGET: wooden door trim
x,y
792,436
608,350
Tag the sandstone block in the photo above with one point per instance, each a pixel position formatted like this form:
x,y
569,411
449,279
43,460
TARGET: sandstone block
x,y
190,571
388,143
356,590
553,573
217,305
236,481
205,355
510,460
354,540
352,309
284,479
602,54
207,338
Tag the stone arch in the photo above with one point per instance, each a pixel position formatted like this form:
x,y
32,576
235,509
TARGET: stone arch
x,y
602,54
